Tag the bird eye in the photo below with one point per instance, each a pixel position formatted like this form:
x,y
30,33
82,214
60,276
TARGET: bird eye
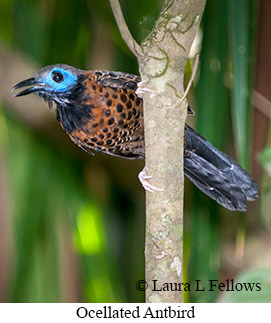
x,y
57,77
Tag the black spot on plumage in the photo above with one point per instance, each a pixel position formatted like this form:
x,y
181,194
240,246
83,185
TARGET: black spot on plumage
x,y
123,115
134,111
113,74
129,117
107,113
101,136
114,96
119,107
138,101
94,87
131,85
129,105
106,95
105,129
131,96
109,103
86,140
95,125
94,139
125,90
116,130
100,142
125,126
123,98
111,121
108,141
108,134
121,122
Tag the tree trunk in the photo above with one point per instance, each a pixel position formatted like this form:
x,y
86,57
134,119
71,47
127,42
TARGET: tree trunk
x,y
162,59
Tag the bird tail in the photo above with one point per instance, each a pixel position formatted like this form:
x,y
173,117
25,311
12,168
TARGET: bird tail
x,y
216,174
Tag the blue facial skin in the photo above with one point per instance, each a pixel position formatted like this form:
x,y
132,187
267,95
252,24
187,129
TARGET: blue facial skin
x,y
68,81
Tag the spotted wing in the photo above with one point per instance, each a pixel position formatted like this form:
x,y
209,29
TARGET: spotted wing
x,y
117,79
115,121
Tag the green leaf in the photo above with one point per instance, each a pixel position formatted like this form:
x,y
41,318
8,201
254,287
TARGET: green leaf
x,y
242,24
261,290
265,159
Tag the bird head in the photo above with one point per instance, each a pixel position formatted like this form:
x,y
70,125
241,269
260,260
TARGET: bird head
x,y
53,82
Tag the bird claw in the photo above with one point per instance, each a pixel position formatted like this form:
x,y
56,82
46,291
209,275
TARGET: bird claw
x,y
143,178
141,89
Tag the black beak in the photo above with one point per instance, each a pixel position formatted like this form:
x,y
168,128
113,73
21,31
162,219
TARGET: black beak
x,y
35,86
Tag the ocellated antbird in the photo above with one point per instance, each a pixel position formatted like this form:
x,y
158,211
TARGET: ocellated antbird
x,y
102,110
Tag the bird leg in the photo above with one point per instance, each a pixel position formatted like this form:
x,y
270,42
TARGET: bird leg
x,y
141,89
143,178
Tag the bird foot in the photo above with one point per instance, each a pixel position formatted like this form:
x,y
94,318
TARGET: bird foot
x,y
141,89
143,178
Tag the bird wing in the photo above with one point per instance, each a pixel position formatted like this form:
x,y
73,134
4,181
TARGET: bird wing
x,y
117,79
123,81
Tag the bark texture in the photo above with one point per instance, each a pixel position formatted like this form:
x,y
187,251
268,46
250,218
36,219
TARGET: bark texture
x,y
166,52
162,58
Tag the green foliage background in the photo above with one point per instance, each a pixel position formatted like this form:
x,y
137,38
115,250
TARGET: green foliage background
x,y
74,222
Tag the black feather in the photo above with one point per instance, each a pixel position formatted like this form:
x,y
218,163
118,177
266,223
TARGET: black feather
x,y
216,174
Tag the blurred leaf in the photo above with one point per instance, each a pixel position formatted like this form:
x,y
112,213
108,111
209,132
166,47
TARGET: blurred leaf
x,y
211,90
29,14
233,21
242,41
6,26
259,280
100,290
70,30
265,159
242,26
89,236
212,119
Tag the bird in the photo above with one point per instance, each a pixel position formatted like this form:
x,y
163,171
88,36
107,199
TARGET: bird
x,y
103,111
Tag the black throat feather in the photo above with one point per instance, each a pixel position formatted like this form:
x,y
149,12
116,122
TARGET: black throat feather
x,y
71,111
